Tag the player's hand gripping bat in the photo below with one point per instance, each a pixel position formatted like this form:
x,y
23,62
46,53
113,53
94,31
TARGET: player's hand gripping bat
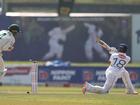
x,y
106,46
103,44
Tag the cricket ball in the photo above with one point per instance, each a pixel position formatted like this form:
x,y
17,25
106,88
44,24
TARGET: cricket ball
x,y
28,92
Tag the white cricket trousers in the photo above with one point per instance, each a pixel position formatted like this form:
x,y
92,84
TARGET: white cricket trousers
x,y
2,68
111,78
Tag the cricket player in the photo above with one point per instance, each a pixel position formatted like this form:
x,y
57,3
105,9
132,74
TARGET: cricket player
x,y
118,61
91,42
7,40
56,42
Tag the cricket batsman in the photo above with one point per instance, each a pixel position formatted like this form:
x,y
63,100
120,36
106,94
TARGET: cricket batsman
x,y
7,40
118,61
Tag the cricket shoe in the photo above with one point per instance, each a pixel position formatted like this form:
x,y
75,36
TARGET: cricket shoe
x,y
133,93
84,88
2,73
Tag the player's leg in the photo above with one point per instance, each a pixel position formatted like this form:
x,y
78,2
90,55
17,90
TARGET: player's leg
x,y
91,88
128,83
3,70
110,81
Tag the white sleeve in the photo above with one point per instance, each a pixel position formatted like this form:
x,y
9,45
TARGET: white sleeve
x,y
110,59
112,50
6,46
129,59
9,42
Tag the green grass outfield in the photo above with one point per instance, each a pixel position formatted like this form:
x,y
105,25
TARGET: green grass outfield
x,y
16,95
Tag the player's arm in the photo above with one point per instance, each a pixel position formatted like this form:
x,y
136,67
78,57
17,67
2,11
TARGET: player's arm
x,y
103,44
9,46
111,50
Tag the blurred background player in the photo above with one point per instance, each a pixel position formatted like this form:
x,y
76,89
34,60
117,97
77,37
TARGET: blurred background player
x,y
91,44
118,61
56,42
7,40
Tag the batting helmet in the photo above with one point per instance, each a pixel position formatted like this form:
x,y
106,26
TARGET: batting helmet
x,y
122,48
14,27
